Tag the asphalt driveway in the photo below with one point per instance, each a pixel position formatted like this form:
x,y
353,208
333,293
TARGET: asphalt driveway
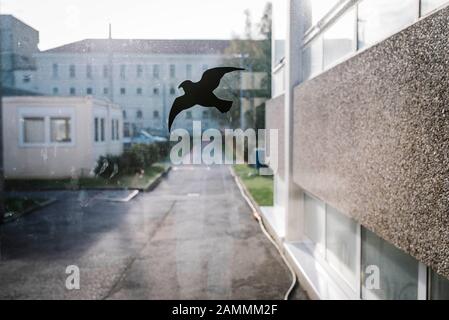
x,y
192,237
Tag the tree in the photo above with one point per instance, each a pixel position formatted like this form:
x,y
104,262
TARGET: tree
x,y
252,53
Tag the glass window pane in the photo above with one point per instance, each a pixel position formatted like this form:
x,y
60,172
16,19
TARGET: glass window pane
x,y
96,129
430,5
315,10
341,244
60,130
339,39
378,19
439,287
312,59
102,129
279,29
398,271
33,130
314,220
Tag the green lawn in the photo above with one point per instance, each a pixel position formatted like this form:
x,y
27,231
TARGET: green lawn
x,y
260,187
131,181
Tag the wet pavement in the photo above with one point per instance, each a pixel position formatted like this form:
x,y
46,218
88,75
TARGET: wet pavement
x,y
193,237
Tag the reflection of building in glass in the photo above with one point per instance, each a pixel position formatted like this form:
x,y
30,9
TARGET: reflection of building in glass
x,y
361,192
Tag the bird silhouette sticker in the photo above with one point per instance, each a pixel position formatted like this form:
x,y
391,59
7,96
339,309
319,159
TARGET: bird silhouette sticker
x,y
202,93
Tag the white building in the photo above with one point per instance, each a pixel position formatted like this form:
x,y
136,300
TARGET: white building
x,y
58,137
142,76
361,191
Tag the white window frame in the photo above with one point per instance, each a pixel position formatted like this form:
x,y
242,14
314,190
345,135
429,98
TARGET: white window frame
x,y
319,253
46,113
334,14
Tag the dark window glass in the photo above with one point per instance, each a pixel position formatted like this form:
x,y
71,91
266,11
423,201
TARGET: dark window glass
x,y
439,287
102,129
96,129
72,71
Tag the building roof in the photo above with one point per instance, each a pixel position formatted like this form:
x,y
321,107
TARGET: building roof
x,y
6,19
143,46
12,92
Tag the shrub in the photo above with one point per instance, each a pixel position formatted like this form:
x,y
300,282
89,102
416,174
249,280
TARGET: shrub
x,y
107,166
133,160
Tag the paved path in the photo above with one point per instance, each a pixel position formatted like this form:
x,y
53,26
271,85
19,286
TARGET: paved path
x,y
193,237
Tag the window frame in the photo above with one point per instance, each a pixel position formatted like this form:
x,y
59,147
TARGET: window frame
x,y
332,17
47,113
51,118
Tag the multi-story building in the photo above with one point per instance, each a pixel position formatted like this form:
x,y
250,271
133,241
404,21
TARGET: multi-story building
x,y
142,76
360,99
18,45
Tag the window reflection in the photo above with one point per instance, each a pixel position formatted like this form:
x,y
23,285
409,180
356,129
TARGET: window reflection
x,y
279,29
341,240
339,39
439,287
398,272
60,130
317,9
314,221
430,5
378,19
34,130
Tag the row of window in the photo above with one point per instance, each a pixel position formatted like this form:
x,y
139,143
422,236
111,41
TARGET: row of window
x,y
334,239
362,25
90,91
59,129
139,114
44,130
100,129
124,70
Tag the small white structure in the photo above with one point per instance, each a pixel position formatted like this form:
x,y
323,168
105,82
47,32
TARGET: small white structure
x,y
58,137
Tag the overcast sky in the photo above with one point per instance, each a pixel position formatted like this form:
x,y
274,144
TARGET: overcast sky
x,y
64,21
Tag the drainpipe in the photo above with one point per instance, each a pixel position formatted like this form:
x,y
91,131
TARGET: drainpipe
x,y
293,194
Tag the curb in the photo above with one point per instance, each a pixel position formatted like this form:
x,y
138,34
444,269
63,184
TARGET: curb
x,y
155,182
29,210
148,187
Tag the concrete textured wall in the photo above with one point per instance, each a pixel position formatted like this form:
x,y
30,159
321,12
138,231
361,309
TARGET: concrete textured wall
x,y
371,138
274,119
